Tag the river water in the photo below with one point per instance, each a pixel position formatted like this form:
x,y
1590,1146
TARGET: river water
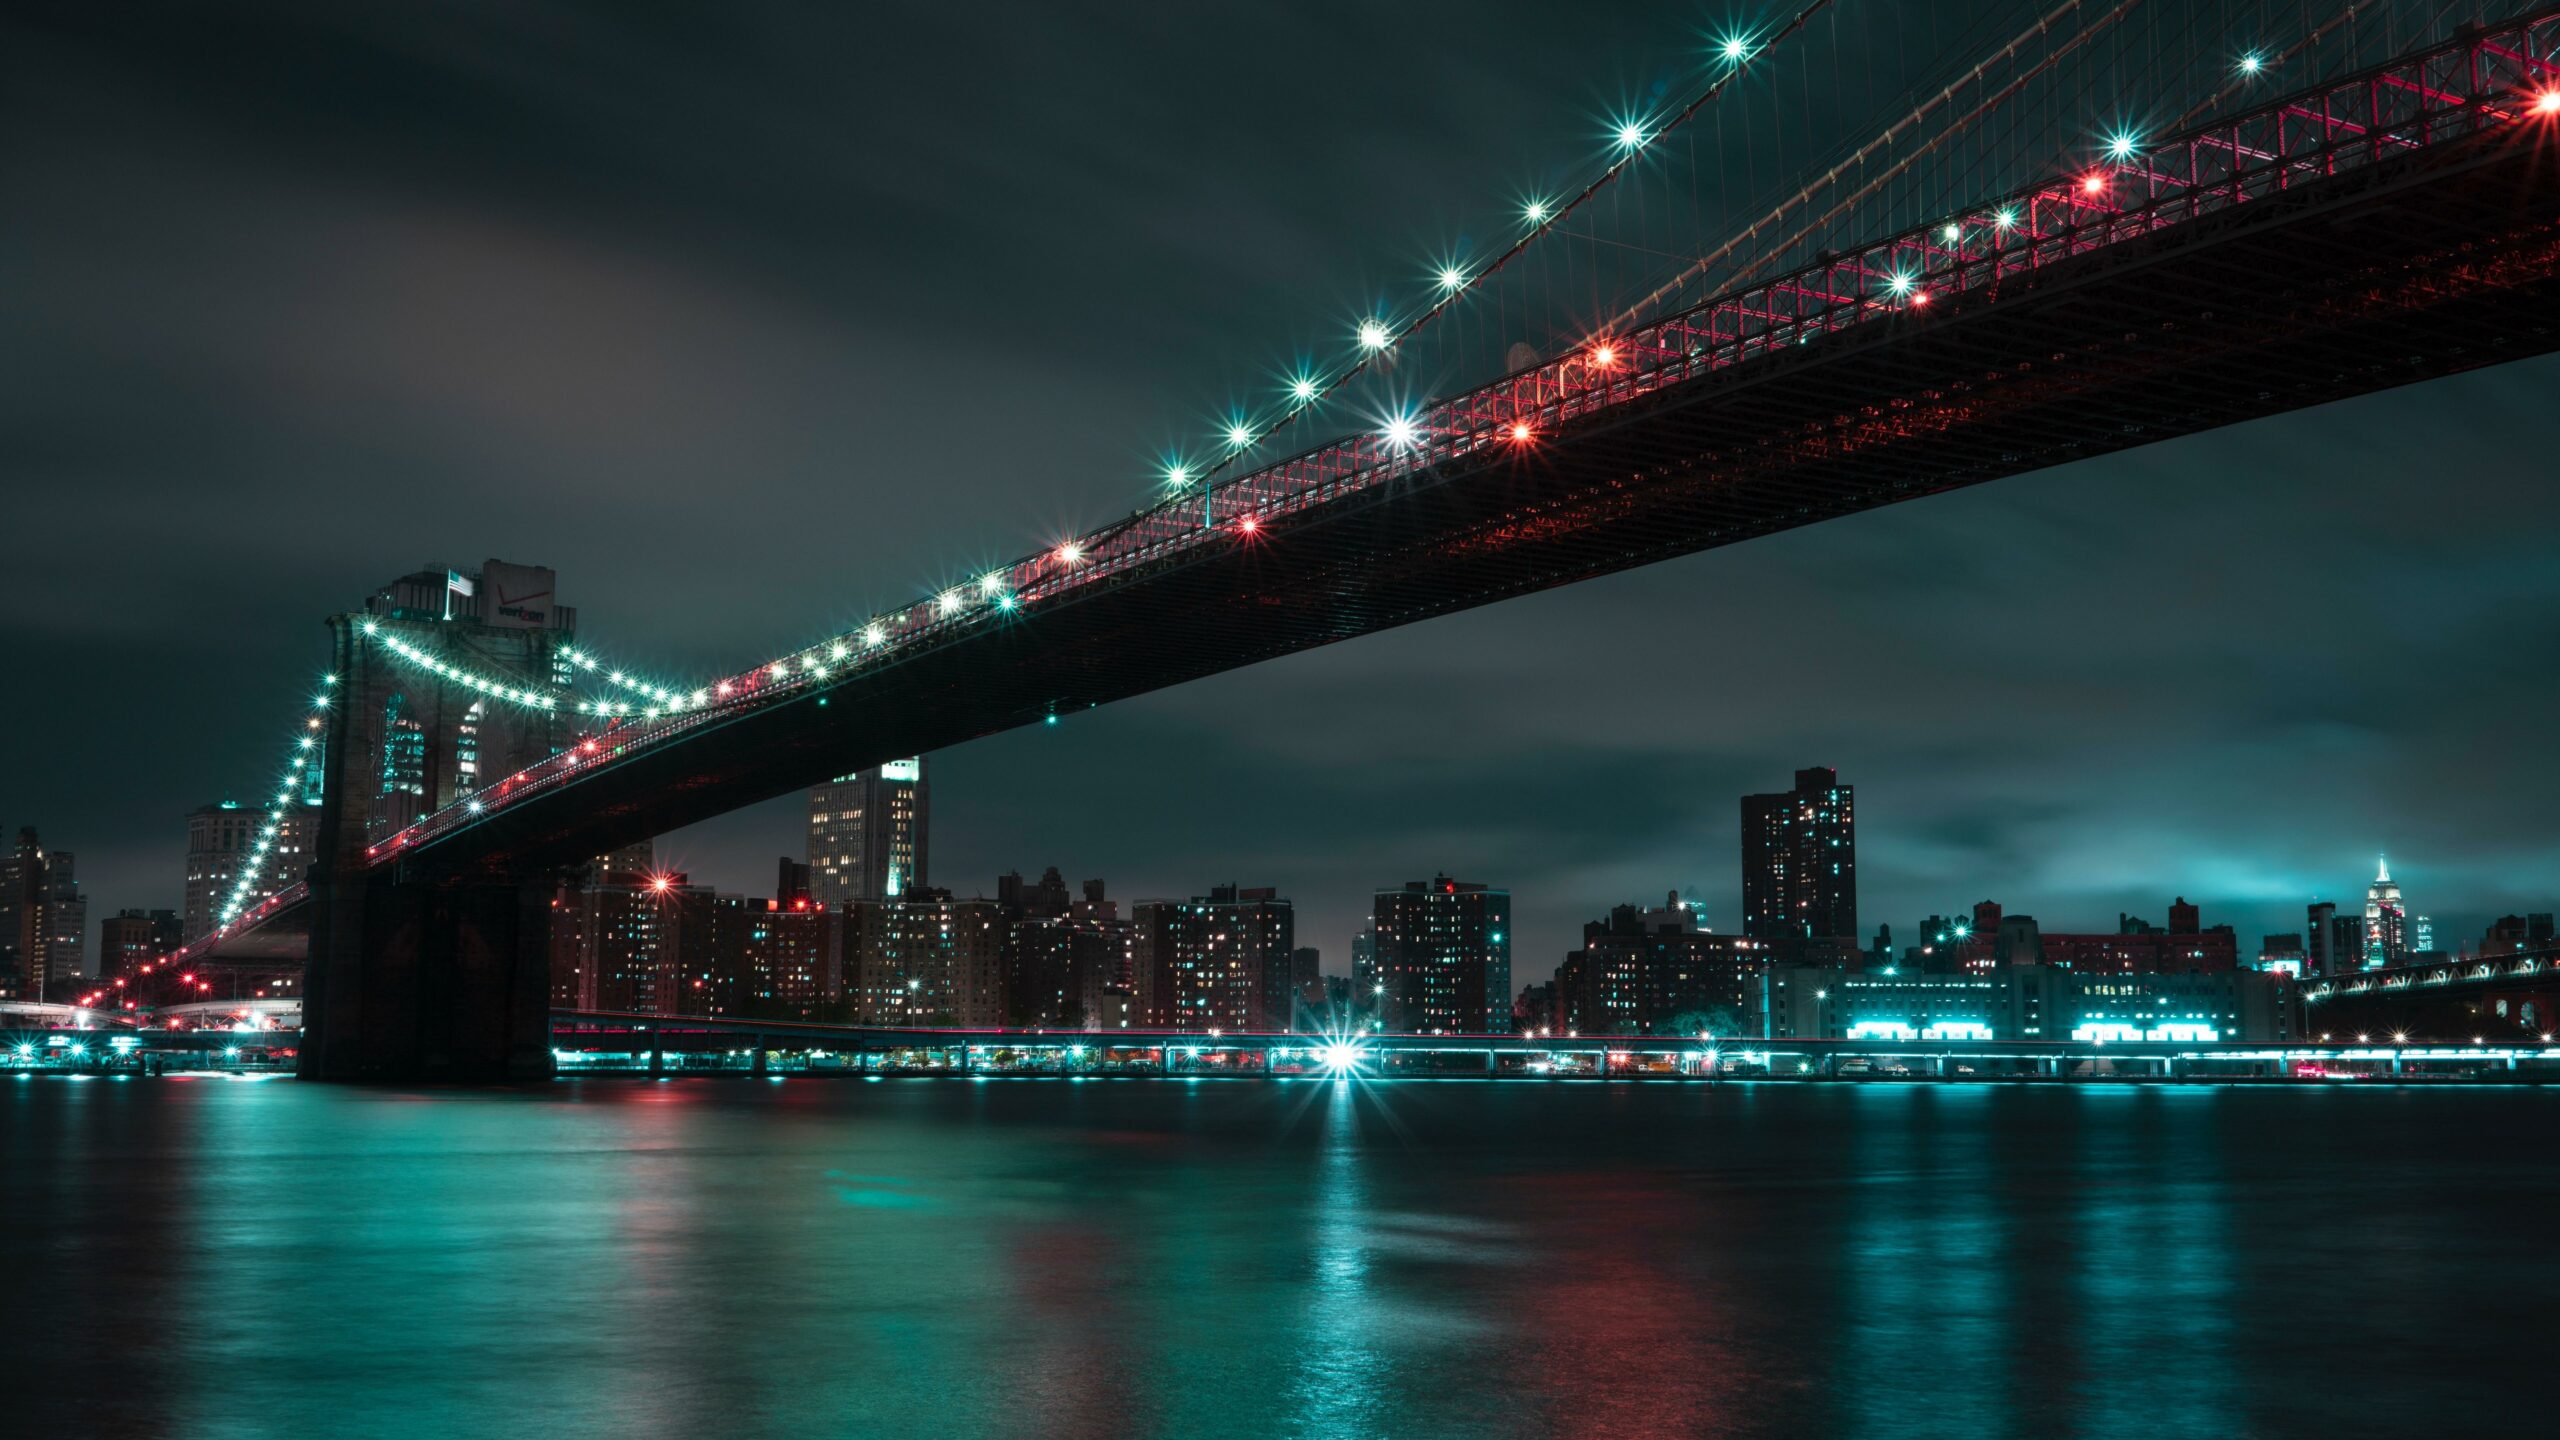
x,y
952,1258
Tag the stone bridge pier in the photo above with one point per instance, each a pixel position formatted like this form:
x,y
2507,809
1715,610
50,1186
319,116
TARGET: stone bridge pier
x,y
418,974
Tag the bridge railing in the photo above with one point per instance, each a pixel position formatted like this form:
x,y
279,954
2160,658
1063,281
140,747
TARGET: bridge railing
x,y
2481,81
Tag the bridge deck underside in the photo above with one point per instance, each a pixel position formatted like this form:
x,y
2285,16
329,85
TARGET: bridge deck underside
x,y
2397,273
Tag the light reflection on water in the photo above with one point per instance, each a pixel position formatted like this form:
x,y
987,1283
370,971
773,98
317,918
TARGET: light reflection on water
x,y
956,1259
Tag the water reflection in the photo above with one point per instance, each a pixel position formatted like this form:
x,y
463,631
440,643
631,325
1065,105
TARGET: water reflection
x,y
958,1259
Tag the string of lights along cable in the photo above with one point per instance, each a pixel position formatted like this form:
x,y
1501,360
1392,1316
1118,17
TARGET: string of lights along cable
x,y
2114,192
300,764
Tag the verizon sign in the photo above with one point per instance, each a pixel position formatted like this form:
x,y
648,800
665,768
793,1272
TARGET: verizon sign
x,y
517,597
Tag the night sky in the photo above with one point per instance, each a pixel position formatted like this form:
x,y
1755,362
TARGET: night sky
x,y
752,320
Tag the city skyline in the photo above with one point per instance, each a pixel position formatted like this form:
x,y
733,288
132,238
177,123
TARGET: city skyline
x,y
2081,690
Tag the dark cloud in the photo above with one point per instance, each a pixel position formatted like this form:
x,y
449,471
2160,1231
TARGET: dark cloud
x,y
751,320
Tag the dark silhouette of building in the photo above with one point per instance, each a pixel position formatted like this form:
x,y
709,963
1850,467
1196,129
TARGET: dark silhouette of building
x,y
1800,861
2334,942
44,921
131,939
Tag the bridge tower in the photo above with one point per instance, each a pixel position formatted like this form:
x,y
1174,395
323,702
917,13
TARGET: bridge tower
x,y
415,973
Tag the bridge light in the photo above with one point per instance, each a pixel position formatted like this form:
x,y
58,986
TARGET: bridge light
x,y
1248,525
1070,553
1604,355
2547,103
1452,278
1536,212
1007,602
1736,49
2094,183
871,635
949,603
2250,64
2119,147
1631,136
1373,335
1952,234
1899,284
1521,434
2006,219
1400,431
992,584
778,669
1239,434
472,806
1302,389
1177,476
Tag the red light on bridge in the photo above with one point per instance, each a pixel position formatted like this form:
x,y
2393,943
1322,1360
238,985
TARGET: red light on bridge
x,y
2547,103
1604,355
1248,525
2095,183
1521,434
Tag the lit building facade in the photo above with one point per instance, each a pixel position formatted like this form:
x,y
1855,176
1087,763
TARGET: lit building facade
x,y
1220,961
2028,1002
927,959
870,834
1440,961
221,839
1800,861
1655,972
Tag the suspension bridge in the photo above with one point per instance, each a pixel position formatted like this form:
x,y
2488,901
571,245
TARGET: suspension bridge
x,y
2280,246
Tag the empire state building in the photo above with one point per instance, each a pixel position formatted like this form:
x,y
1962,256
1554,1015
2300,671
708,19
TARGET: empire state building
x,y
2386,921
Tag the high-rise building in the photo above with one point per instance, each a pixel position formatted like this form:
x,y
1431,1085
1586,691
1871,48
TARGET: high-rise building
x,y
228,840
2334,943
927,959
131,939
1443,956
1800,861
2386,921
789,959
218,841
868,834
1655,972
605,934
1220,961
44,921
